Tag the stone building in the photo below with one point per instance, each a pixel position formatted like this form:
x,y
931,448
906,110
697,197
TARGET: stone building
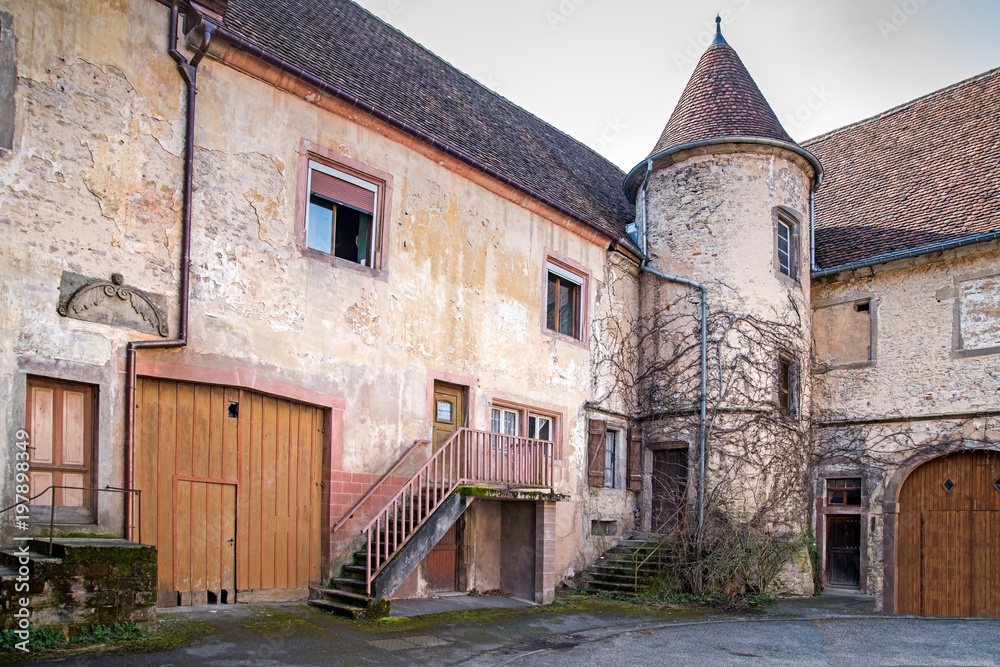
x,y
296,279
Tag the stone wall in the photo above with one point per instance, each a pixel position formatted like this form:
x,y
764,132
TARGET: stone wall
x,y
85,582
929,385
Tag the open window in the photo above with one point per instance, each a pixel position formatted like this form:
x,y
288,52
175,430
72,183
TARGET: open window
x,y
341,217
60,424
343,209
606,447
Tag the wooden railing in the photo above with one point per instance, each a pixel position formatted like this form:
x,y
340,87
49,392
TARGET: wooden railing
x,y
406,455
468,457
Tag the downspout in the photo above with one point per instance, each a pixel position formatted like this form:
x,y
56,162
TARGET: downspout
x,y
188,71
812,222
703,399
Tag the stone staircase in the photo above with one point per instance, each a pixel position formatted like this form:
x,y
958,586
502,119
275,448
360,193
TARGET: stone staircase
x,y
84,582
629,568
348,596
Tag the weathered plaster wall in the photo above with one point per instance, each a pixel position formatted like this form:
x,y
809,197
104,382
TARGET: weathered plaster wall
x,y
712,219
93,186
927,392
919,369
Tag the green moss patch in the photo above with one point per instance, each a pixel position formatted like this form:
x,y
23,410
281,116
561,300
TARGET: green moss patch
x,y
272,622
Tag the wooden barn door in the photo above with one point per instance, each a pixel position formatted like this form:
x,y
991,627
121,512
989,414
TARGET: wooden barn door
x,y
230,484
949,537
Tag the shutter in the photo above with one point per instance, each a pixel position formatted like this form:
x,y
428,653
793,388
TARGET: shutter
x,y
342,192
634,459
597,429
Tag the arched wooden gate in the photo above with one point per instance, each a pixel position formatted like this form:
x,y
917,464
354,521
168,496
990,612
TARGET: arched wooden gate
x,y
948,546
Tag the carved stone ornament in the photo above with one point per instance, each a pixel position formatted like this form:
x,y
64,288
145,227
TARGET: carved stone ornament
x,y
111,302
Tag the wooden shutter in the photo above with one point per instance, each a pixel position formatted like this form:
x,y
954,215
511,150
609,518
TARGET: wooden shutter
x,y
597,428
634,459
343,192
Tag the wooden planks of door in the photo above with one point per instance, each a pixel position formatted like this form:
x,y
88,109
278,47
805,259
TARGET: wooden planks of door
x,y
218,464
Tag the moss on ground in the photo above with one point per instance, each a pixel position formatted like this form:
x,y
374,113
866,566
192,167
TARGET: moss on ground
x,y
168,634
272,622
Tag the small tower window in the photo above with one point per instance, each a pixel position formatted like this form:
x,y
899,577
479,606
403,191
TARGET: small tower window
x,y
788,387
786,244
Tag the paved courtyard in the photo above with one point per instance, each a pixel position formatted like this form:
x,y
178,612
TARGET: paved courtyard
x,y
831,630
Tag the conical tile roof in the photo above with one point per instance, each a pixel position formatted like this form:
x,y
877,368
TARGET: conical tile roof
x,y
721,100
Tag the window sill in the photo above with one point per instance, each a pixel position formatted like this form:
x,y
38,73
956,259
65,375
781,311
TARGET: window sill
x,y
565,338
981,352
339,263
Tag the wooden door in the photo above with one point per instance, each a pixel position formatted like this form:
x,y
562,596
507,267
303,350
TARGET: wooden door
x,y
949,537
60,421
843,550
202,439
442,563
449,411
669,488
205,541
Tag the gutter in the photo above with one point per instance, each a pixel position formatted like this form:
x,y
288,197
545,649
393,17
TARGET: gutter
x,y
703,399
703,143
240,44
188,71
940,246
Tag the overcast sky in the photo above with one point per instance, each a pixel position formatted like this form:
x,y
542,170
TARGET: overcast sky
x,y
610,72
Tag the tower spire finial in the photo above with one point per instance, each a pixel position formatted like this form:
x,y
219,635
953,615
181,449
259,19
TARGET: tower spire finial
x,y
719,39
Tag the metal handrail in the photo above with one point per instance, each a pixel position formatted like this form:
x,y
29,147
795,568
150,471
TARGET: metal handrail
x,y
350,513
52,512
467,456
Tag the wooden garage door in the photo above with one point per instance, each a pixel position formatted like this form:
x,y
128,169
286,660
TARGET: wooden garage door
x,y
231,491
949,537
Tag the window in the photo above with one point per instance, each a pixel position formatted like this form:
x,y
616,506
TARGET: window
x,y
444,412
60,420
786,244
539,427
563,301
341,217
611,460
843,491
788,387
343,209
598,527
504,421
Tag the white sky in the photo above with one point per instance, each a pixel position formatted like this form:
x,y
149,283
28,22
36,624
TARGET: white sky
x,y
609,73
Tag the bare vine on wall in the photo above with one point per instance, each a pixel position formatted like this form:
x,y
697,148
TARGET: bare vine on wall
x,y
758,457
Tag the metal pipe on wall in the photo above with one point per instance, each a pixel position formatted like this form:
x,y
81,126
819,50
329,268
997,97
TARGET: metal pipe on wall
x,y
188,71
703,399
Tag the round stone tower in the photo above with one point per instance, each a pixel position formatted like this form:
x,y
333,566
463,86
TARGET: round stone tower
x,y
723,201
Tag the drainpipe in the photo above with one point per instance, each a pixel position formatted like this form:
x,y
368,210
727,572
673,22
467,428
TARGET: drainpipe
x,y
812,223
188,71
703,399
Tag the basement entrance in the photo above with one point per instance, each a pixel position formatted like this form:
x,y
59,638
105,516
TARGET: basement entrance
x,y
230,484
949,537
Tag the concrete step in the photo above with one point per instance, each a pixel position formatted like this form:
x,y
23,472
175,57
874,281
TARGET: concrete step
x,y
350,611
345,597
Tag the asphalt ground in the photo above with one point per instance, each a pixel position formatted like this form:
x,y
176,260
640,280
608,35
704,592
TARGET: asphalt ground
x,y
839,630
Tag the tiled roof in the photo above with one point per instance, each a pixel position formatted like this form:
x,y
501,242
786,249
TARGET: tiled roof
x,y
925,172
350,49
721,100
